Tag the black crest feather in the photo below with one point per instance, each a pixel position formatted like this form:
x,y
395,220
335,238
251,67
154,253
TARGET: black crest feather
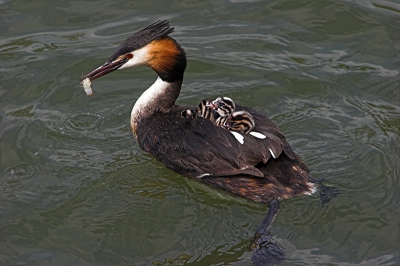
x,y
143,37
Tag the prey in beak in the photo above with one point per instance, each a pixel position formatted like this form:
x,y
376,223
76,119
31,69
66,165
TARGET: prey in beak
x,y
106,68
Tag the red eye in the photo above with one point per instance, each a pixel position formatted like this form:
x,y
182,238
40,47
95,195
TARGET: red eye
x,y
129,56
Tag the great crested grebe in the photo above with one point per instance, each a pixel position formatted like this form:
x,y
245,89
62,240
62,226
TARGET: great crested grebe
x,y
263,170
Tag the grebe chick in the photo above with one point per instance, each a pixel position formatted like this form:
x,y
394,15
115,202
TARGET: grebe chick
x,y
240,121
203,110
224,106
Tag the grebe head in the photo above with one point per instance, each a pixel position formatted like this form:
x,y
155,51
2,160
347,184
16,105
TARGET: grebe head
x,y
150,46
224,106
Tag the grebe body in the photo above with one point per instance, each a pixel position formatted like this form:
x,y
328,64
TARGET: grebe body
x,y
257,169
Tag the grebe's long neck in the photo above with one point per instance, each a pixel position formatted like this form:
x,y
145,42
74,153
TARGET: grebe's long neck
x,y
160,97
168,60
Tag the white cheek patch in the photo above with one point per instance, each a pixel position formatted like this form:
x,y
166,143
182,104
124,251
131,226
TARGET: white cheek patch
x,y
238,137
140,57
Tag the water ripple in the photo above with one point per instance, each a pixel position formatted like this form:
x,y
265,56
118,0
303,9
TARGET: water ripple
x,y
88,125
385,115
75,124
380,6
329,62
268,38
15,177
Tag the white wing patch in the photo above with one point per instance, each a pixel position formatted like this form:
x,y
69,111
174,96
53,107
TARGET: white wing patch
x,y
257,135
272,153
238,137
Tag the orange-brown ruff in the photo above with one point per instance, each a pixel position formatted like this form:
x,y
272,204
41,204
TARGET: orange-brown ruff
x,y
162,54
257,169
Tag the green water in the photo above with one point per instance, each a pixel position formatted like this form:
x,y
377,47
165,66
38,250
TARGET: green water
x,y
75,189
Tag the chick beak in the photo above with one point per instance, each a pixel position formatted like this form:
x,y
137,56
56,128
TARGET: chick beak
x,y
106,68
212,105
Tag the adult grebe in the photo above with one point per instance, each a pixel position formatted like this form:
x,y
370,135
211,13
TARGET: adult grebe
x,y
262,170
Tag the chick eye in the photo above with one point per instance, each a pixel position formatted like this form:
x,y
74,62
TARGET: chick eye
x,y
129,56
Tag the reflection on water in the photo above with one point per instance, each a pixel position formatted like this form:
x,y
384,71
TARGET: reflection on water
x,y
76,189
